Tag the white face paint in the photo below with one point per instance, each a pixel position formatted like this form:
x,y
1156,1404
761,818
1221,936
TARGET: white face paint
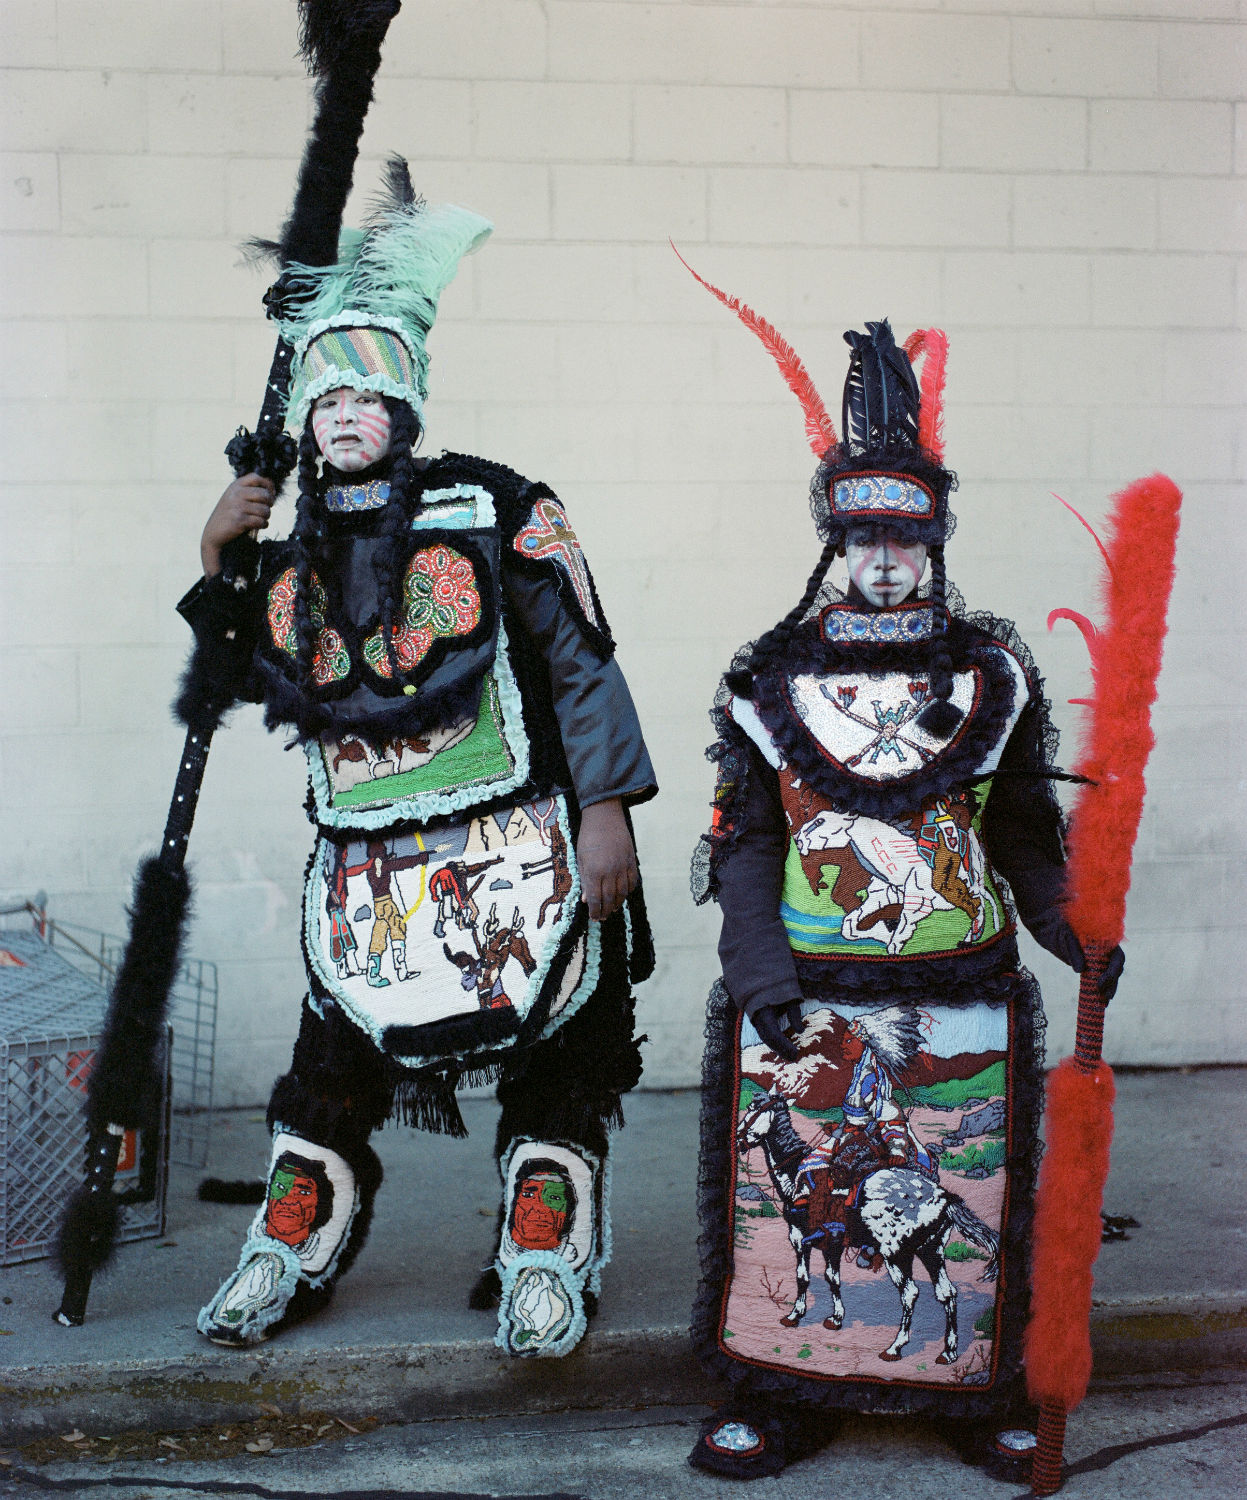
x,y
885,570
352,428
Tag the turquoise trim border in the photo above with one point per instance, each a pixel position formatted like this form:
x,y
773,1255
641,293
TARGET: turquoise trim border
x,y
484,516
327,973
423,807
286,1283
593,967
571,1283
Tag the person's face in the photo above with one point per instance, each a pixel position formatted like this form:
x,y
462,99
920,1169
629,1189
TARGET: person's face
x,y
292,1200
851,1046
885,570
540,1213
352,428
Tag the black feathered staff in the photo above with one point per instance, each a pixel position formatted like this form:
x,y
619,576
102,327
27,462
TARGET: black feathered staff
x,y
341,43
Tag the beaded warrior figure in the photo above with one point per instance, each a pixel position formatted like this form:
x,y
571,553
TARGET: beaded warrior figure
x,y
431,634
873,1069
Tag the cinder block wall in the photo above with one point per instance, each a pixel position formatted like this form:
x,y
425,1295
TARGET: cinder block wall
x,y
1057,182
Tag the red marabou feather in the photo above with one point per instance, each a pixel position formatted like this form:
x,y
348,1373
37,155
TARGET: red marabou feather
x,y
933,342
819,430
1079,1126
1117,734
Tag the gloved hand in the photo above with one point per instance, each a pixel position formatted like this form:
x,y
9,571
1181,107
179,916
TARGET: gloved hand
x,y
1051,931
769,1022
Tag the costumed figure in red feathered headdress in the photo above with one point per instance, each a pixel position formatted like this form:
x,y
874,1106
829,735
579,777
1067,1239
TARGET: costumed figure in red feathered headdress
x,y
884,815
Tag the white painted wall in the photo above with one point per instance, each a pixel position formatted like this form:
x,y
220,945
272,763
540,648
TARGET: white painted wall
x,y
1059,183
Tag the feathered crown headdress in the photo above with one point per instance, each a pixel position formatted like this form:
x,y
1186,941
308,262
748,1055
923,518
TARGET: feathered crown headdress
x,y
888,467
362,322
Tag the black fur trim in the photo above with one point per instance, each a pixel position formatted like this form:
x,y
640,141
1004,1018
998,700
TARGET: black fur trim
x,y
216,673
716,1164
342,44
453,1036
232,1190
286,707
329,31
88,1233
126,1083
954,766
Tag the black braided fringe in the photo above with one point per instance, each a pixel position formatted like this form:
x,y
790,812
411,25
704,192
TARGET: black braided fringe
x,y
716,1170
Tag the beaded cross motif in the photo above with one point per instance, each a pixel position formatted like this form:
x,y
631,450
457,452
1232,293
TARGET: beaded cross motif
x,y
547,535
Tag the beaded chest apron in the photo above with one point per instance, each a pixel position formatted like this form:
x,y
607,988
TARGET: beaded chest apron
x,y
437,913
865,1203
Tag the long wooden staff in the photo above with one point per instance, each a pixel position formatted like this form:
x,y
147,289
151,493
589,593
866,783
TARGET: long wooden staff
x,y
1078,1121
341,43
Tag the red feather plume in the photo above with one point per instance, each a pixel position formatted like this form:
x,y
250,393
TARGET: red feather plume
x,y
1078,1124
819,431
1117,735
933,343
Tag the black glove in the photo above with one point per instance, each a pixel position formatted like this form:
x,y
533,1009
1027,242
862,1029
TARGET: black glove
x,y
769,1021
1051,931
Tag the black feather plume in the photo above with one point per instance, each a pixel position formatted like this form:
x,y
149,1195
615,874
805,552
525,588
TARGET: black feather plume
x,y
879,413
341,40
331,29
396,191
125,1084
258,251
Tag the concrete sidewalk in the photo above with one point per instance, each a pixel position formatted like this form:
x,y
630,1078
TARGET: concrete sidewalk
x,y
399,1343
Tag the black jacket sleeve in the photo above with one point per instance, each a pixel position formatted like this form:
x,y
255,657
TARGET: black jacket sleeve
x,y
1023,831
598,722
225,622
758,966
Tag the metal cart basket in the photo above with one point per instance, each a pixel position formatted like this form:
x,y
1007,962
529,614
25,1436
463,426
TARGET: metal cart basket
x,y
54,983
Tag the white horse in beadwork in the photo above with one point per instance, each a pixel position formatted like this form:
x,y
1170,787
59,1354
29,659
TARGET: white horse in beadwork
x,y
899,875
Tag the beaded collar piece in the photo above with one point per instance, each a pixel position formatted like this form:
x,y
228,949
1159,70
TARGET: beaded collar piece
x,y
843,624
344,499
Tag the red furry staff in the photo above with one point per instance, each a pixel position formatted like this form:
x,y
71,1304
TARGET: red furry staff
x,y
1117,738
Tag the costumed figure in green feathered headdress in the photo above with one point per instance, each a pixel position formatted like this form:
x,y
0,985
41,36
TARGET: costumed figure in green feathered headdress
x,y
430,632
